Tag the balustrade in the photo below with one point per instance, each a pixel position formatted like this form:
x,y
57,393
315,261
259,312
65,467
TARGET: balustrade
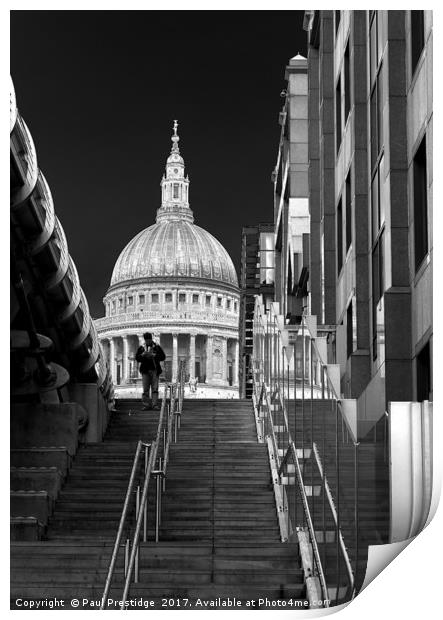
x,y
173,315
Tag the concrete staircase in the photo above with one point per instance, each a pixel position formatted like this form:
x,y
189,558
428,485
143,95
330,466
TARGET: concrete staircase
x,y
219,537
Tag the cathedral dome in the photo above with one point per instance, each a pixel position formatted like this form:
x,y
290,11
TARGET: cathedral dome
x,y
174,247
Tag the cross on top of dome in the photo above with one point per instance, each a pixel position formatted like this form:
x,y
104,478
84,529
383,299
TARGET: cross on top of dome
x,y
175,138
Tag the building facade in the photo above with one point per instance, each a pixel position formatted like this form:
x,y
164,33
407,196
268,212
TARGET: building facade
x,y
370,198
257,277
342,359
291,206
176,280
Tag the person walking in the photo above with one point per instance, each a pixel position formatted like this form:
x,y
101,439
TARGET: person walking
x,y
149,357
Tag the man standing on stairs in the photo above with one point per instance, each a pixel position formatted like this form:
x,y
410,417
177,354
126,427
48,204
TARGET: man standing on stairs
x,y
149,357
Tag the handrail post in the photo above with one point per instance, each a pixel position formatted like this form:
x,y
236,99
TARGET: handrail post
x,y
145,514
157,505
138,524
137,510
127,548
121,526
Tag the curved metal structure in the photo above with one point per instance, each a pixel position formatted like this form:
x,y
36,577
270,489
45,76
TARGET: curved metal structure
x,y
57,302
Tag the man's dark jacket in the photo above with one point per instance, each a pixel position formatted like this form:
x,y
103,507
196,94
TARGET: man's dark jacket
x,y
150,363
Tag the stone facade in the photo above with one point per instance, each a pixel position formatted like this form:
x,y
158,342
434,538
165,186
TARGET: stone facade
x,y
291,205
370,195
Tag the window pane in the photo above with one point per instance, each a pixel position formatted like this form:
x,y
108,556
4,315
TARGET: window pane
x,y
349,330
375,289
348,212
347,84
375,207
417,37
374,133
420,205
424,374
381,265
338,128
380,34
373,48
382,189
380,110
337,20
339,237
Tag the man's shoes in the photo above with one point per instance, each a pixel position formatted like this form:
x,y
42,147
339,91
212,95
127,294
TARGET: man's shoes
x,y
146,408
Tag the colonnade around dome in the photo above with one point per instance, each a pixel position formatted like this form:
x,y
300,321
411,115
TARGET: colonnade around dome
x,y
212,359
139,301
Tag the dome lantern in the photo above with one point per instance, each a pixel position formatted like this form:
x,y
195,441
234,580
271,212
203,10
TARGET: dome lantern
x,y
175,187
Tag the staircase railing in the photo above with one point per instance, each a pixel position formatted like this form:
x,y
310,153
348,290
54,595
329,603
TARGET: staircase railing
x,y
156,457
290,376
272,430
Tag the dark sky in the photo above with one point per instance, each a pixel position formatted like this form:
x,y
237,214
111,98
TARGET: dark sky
x,y
99,91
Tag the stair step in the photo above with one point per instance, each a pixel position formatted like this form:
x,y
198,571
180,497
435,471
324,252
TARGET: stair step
x,y
219,531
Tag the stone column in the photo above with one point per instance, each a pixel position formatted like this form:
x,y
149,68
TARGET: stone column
x,y
125,360
112,358
208,359
192,356
236,363
224,359
174,356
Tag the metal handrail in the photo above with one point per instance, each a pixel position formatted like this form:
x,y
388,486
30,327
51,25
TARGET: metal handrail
x,y
268,347
324,367
141,512
176,398
334,514
125,509
172,412
302,490
141,505
122,523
